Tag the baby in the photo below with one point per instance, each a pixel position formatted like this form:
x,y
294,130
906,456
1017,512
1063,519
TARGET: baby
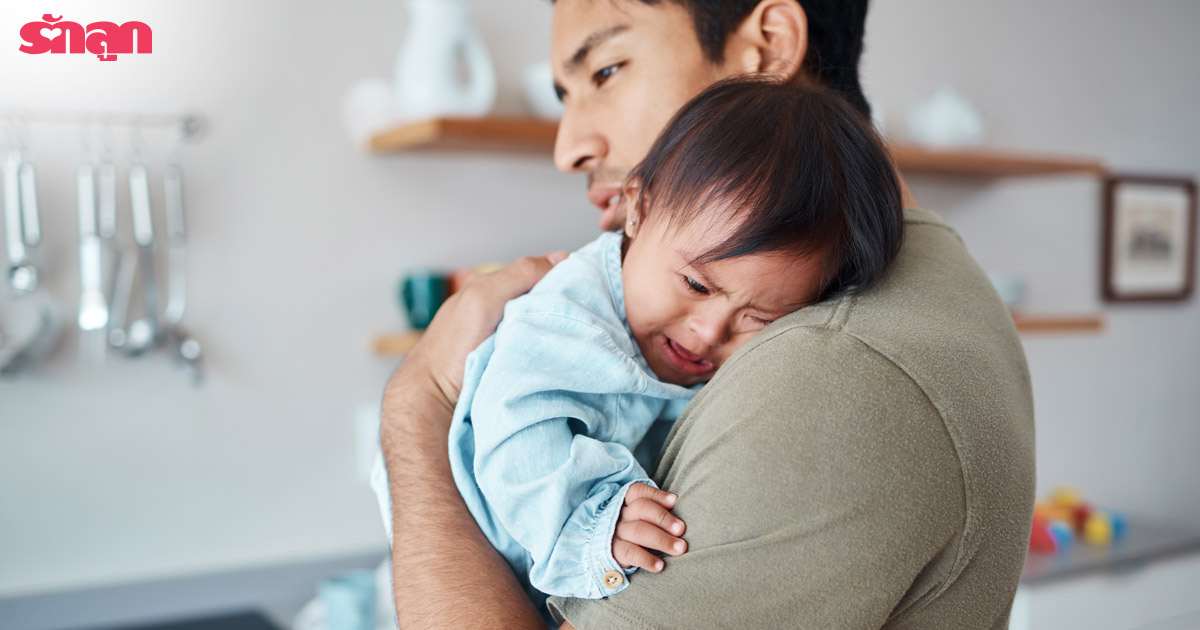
x,y
757,199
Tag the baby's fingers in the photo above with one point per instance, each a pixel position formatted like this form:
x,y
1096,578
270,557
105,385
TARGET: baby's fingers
x,y
643,491
645,509
628,555
649,536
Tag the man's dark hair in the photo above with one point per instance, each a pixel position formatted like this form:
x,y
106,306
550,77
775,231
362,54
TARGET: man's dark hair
x,y
792,166
835,38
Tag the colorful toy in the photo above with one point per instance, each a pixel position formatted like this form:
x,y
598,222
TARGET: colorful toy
x,y
1103,527
1064,536
1040,539
1064,518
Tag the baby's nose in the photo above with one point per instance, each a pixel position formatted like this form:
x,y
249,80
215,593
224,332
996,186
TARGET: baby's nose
x,y
712,331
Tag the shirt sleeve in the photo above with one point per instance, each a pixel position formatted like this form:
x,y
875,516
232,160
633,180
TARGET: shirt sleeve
x,y
553,395
814,497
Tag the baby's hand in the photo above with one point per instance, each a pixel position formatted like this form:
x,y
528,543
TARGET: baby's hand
x,y
645,523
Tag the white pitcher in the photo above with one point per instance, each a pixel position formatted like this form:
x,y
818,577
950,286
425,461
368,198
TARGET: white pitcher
x,y
438,43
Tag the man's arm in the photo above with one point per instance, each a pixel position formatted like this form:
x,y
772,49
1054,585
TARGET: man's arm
x,y
820,490
444,571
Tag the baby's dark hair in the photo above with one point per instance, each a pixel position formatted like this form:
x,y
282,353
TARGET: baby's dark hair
x,y
793,165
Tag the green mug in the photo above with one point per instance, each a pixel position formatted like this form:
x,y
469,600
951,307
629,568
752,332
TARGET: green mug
x,y
421,293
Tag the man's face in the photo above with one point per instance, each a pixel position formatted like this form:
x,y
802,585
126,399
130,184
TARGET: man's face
x,y
623,69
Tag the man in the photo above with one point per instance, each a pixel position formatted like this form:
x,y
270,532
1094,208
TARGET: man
x,y
865,462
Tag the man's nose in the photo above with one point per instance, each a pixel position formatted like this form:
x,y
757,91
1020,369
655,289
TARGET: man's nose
x,y
579,147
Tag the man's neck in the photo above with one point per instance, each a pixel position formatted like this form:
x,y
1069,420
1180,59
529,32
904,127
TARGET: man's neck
x,y
907,199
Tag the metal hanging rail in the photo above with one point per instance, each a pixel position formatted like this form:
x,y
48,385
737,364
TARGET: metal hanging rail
x,y
191,126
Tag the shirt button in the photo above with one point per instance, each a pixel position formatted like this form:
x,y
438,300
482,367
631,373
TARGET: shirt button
x,y
613,579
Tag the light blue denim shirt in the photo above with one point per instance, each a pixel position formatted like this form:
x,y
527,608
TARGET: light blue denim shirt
x,y
552,406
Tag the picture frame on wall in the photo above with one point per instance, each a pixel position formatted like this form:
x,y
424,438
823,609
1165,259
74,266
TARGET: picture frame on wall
x,y
1149,238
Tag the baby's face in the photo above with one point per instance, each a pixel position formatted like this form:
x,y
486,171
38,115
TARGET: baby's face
x,y
689,317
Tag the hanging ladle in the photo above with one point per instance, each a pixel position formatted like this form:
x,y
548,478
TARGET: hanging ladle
x,y
23,235
21,227
185,348
144,333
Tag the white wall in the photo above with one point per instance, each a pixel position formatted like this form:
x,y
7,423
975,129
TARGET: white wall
x,y
123,473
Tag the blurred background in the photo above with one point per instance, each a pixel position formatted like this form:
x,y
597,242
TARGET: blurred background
x,y
246,490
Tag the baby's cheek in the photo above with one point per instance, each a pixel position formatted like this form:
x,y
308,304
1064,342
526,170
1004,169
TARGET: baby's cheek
x,y
639,330
737,341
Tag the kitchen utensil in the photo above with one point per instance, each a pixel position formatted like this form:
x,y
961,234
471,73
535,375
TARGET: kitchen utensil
x,y
22,236
29,204
442,68
121,290
21,273
21,356
106,230
184,348
143,334
176,244
107,200
186,352
93,311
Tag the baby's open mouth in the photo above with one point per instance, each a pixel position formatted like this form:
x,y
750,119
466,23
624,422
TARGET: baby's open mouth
x,y
683,359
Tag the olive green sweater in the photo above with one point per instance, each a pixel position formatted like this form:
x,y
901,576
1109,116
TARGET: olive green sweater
x,y
866,462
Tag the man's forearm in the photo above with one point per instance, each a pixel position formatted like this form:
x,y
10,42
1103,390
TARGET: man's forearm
x,y
445,572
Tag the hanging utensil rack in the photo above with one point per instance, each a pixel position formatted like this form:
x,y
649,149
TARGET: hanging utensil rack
x,y
102,313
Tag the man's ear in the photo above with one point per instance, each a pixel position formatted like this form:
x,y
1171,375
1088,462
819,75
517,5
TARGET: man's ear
x,y
631,197
773,39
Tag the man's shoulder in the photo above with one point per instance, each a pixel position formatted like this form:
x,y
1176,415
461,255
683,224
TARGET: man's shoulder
x,y
920,378
810,381
929,348
934,316
933,322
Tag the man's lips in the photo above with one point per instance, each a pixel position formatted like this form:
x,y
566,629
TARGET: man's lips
x,y
683,359
606,198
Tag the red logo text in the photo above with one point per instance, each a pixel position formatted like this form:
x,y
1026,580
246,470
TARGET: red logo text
x,y
106,40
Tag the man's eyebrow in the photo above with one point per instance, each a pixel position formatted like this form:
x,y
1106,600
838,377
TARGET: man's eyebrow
x,y
589,44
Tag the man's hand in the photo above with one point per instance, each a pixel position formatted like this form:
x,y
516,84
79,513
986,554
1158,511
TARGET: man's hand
x,y
469,316
646,522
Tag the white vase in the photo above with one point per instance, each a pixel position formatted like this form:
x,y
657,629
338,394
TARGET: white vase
x,y
442,68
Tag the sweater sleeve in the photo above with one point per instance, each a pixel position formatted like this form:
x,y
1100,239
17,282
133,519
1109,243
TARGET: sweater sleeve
x,y
553,396
820,488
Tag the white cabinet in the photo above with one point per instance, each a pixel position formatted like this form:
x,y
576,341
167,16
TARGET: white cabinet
x,y
1165,590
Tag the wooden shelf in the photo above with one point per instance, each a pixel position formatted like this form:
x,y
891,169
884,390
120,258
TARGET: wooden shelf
x,y
468,133
985,163
396,345
1058,324
503,133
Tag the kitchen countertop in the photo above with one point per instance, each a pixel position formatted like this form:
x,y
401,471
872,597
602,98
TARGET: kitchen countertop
x,y
1144,540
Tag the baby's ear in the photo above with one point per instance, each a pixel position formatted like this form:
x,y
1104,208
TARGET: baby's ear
x,y
633,205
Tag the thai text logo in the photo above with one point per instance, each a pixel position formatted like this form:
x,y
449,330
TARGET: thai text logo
x,y
106,40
